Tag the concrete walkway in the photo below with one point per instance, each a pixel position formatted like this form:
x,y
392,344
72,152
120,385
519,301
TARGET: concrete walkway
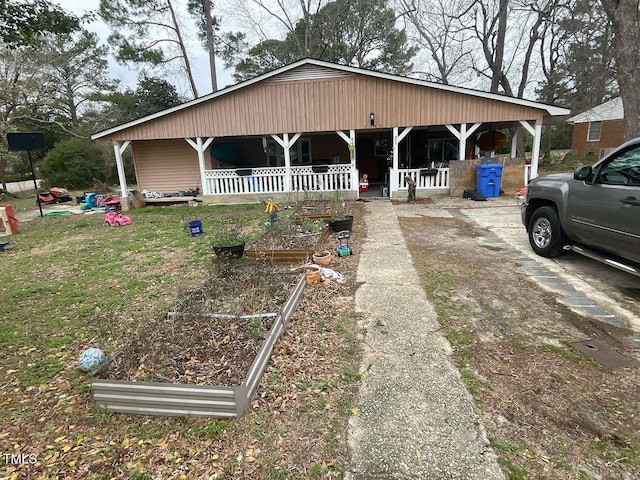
x,y
416,419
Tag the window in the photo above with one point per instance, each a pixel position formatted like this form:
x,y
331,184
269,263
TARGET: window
x,y
300,153
441,150
594,131
624,169
382,147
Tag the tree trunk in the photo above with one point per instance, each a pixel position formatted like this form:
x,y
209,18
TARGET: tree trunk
x,y
211,44
497,67
183,50
624,15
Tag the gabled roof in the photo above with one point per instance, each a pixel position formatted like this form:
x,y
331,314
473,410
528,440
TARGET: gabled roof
x,y
611,110
288,72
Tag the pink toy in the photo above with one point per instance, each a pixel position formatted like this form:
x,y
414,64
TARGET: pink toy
x,y
114,219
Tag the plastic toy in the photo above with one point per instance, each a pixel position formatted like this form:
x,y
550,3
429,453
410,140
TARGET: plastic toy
x,y
91,359
343,248
115,219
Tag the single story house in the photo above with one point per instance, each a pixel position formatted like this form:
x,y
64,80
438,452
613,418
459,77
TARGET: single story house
x,y
599,130
318,128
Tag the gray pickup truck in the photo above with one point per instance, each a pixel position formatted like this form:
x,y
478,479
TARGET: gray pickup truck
x,y
595,211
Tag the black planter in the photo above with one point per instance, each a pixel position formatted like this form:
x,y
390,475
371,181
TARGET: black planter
x,y
428,172
233,251
340,225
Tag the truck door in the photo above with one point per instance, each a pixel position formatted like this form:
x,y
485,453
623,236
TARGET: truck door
x,y
606,212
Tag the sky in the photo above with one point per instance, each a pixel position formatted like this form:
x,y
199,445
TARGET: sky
x,y
128,75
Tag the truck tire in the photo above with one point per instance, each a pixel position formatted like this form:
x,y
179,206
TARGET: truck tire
x,y
545,232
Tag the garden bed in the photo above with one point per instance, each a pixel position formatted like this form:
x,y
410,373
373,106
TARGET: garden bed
x,y
196,361
291,239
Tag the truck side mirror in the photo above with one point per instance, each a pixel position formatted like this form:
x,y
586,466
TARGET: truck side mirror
x,y
583,173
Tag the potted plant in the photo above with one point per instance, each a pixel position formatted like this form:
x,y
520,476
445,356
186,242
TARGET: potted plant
x,y
322,258
228,239
341,220
338,223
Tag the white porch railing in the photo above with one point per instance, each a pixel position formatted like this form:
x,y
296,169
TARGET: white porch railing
x,y
425,178
337,177
272,179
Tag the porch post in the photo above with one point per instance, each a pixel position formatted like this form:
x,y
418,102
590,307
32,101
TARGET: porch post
x,y
287,163
536,132
351,144
462,135
201,147
397,138
535,152
286,143
118,149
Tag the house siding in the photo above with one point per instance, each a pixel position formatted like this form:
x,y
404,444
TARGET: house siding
x,y
611,135
323,105
167,165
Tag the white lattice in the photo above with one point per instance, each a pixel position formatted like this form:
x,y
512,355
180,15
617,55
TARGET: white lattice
x,y
272,180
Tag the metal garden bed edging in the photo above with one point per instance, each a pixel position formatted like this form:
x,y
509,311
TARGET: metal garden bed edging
x,y
170,399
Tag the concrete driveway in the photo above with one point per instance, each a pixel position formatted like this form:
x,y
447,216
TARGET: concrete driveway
x,y
604,293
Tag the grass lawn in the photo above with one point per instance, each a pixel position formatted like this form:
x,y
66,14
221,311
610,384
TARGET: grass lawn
x,y
69,283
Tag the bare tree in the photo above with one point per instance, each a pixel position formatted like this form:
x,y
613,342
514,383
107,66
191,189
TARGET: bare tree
x,y
625,17
437,30
269,19
147,32
25,87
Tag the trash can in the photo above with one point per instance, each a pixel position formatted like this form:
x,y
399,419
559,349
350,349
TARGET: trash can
x,y
488,178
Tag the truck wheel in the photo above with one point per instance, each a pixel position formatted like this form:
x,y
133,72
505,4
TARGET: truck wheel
x,y
545,233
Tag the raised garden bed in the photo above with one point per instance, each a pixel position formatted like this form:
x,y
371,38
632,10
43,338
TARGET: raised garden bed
x,y
195,361
295,240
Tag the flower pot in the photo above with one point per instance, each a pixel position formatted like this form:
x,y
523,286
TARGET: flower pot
x,y
312,274
322,258
232,251
345,223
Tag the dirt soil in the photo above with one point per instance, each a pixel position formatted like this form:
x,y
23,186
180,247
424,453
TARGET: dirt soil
x,y
550,411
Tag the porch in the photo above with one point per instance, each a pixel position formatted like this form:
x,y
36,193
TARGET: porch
x,y
316,181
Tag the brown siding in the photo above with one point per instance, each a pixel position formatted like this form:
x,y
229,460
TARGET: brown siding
x,y
611,135
331,104
167,165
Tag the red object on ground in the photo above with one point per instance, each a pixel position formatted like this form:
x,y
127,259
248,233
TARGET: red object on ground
x,y
8,222
113,202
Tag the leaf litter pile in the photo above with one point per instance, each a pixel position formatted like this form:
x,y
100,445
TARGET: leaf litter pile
x,y
213,335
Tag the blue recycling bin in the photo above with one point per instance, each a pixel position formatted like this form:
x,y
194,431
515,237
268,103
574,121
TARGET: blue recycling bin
x,y
488,178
